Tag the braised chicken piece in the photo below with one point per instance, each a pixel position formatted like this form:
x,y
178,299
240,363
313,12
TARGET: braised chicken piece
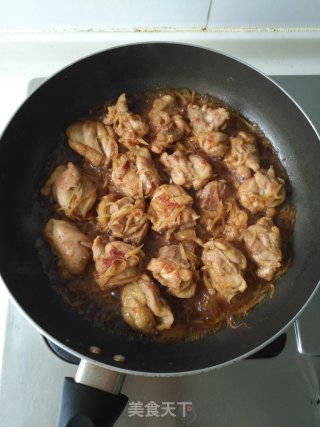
x,y
210,200
143,308
206,123
170,208
211,195
205,119
135,174
223,269
166,124
220,214
243,156
236,221
187,170
263,190
213,143
190,242
263,244
123,218
71,245
117,263
74,192
174,270
93,141
129,127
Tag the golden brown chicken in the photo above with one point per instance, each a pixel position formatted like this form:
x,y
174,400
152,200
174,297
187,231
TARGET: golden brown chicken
x,y
92,140
123,218
135,174
220,214
263,244
263,190
210,200
243,156
223,269
211,195
187,170
214,143
71,245
173,269
205,119
206,123
74,192
236,221
166,124
143,308
129,127
117,263
170,208
225,218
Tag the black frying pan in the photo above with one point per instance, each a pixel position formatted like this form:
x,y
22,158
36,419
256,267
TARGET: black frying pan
x,y
31,136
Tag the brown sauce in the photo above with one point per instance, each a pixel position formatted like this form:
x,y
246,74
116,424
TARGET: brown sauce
x,y
196,316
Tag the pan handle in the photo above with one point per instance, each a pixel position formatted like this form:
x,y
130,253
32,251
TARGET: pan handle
x,y
92,399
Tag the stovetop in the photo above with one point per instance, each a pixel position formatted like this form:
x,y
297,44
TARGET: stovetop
x,y
278,388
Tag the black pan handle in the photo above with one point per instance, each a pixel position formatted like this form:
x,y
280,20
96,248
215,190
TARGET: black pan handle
x,y
83,406
93,398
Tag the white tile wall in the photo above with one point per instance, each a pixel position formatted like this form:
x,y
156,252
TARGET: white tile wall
x,y
102,14
24,15
264,13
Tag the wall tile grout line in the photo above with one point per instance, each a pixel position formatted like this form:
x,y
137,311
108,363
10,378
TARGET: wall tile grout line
x,y
208,15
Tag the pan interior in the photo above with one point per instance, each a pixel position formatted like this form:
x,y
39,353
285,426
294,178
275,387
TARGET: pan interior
x,y
32,134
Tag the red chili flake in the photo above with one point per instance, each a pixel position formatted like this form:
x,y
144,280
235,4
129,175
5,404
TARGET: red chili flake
x,y
115,255
167,202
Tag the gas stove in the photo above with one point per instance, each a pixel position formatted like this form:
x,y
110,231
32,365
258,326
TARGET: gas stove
x,y
278,387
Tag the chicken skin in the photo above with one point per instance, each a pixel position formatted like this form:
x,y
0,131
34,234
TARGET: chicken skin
x,y
220,214
187,170
71,245
129,127
170,208
243,156
116,263
74,192
263,244
167,125
263,190
223,269
135,174
236,221
210,200
213,143
173,269
206,123
93,141
123,218
143,308
206,119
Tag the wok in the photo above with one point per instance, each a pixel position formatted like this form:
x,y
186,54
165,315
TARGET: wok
x,y
31,136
